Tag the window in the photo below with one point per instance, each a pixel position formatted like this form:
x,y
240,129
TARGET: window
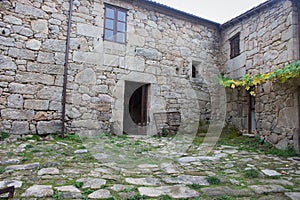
x,y
235,46
115,24
194,72
195,69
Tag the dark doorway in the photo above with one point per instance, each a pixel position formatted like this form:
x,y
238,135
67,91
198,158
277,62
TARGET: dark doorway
x,y
138,106
299,30
251,115
299,119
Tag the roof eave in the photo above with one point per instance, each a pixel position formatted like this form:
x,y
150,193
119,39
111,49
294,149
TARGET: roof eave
x,y
249,13
179,14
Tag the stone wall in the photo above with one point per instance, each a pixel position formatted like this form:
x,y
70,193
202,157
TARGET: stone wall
x,y
160,50
268,40
32,46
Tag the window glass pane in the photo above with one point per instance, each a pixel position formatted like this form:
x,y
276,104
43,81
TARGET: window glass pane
x,y
121,37
108,35
121,16
235,46
121,26
109,24
109,13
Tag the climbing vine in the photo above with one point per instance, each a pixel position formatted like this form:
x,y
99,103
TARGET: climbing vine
x,y
250,81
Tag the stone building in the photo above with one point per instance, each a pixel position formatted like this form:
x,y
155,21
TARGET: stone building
x,y
126,60
268,38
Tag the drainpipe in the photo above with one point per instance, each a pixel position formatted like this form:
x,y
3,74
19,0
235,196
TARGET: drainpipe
x,y
65,79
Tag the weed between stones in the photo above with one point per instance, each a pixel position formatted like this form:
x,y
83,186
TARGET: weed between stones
x,y
2,170
3,135
251,173
213,180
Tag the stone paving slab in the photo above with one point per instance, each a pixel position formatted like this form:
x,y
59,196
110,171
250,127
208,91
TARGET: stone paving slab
x,y
100,194
38,191
264,189
143,181
22,167
69,192
226,191
93,183
177,191
269,172
190,159
293,195
187,180
48,171
9,183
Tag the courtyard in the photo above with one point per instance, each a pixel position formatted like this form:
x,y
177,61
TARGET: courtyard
x,y
237,168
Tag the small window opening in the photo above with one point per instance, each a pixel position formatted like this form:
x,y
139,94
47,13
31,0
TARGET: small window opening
x,y
194,72
235,45
195,69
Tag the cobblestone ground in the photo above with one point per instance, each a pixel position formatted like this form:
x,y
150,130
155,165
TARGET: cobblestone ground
x,y
53,168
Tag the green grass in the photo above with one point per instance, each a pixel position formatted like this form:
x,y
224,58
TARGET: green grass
x,y
68,137
2,170
33,137
124,137
126,190
289,152
72,138
57,196
81,147
24,159
136,197
3,135
164,197
29,146
78,184
213,180
35,150
9,154
251,173
104,135
225,197
195,186
85,193
232,137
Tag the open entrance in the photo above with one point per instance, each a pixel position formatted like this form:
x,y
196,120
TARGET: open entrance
x,y
299,31
136,115
298,143
138,105
251,115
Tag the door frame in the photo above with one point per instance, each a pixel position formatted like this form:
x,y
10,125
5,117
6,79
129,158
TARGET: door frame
x,y
118,109
296,138
251,114
130,127
298,30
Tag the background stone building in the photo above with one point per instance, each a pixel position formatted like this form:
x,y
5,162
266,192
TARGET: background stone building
x,y
130,59
268,39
